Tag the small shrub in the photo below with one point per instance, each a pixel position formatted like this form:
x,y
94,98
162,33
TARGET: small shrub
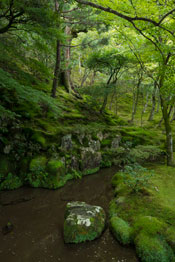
x,y
37,177
136,177
121,230
10,182
141,153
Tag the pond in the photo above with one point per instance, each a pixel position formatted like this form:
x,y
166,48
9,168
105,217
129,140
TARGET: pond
x,y
38,214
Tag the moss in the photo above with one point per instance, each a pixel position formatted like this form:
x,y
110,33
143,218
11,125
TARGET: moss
x,y
91,171
55,166
153,249
39,138
113,208
121,230
5,165
169,235
39,161
116,179
10,182
106,142
72,235
148,224
106,163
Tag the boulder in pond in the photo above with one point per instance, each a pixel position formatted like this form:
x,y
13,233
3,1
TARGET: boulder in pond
x,y
83,222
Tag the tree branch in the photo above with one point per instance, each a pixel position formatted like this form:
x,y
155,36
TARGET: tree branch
x,y
128,18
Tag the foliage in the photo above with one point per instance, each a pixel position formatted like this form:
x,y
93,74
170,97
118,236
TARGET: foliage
x,y
143,153
10,182
137,177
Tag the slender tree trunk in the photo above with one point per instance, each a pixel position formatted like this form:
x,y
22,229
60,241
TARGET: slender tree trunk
x,y
173,117
116,105
144,107
57,61
57,69
65,75
93,78
86,73
105,101
151,116
166,116
169,138
112,99
158,104
135,100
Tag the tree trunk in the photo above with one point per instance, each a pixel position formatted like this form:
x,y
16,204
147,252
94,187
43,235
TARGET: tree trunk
x,y
166,115
173,117
57,69
105,101
144,107
135,100
151,116
93,78
67,72
86,73
169,138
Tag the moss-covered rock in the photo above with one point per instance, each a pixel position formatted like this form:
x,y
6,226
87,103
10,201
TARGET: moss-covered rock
x,y
120,229
83,222
38,162
48,174
90,160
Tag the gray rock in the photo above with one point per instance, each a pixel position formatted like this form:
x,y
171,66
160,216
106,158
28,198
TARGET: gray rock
x,y
90,160
95,145
100,136
66,142
115,142
83,222
74,163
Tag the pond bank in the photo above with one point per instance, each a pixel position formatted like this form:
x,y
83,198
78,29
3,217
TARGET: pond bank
x,y
38,214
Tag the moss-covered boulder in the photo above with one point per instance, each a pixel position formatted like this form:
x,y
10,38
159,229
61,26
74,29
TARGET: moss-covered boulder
x,y
66,142
83,222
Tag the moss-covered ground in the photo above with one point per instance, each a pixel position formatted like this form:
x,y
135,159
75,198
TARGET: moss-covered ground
x,y
149,212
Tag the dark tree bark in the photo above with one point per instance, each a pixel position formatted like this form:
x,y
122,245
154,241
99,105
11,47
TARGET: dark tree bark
x,y
57,69
166,115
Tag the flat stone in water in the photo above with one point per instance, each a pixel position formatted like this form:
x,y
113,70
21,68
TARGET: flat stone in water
x,y
83,222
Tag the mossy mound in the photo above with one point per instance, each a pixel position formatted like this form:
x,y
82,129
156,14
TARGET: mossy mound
x,y
153,249
83,222
121,230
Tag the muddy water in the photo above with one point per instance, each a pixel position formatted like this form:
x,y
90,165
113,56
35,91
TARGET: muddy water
x,y
38,214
